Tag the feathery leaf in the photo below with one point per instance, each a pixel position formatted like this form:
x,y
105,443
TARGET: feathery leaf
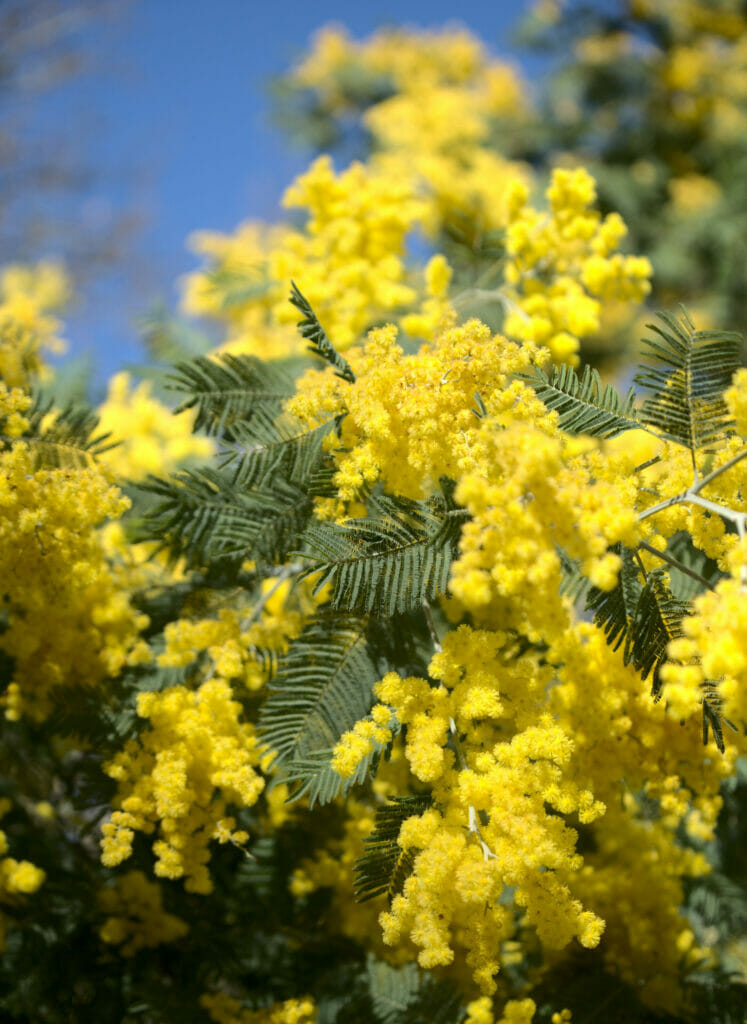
x,y
388,564
317,780
229,389
584,405
204,517
272,446
687,372
313,332
615,610
658,618
322,687
384,866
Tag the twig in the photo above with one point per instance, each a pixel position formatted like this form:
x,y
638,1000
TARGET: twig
x,y
259,607
675,564
431,626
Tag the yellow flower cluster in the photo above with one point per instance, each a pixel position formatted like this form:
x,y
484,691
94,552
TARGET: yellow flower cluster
x,y
149,438
713,650
408,58
510,748
29,296
348,262
542,491
236,288
563,263
135,917
17,877
231,645
496,763
225,1009
358,742
432,122
412,418
515,1011
68,620
194,759
655,781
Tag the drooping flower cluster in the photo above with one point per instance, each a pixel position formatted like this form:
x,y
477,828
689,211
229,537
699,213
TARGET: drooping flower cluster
x,y
495,764
179,777
66,619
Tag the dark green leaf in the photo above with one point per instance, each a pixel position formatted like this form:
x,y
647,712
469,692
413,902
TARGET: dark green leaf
x,y
687,372
230,389
585,405
387,564
384,866
313,332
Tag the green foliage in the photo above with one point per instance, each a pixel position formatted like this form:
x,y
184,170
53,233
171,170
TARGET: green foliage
x,y
643,617
403,995
615,610
687,373
584,405
384,866
229,389
321,688
61,439
387,564
313,332
270,446
205,517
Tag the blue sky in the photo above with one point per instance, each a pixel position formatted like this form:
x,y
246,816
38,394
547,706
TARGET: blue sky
x,y
176,117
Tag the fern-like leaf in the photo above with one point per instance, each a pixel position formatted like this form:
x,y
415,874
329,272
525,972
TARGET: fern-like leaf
x,y
313,332
229,389
584,405
323,685
384,866
657,621
687,372
573,585
644,618
204,517
387,564
684,585
274,447
392,989
402,995
316,780
615,610
718,901
63,439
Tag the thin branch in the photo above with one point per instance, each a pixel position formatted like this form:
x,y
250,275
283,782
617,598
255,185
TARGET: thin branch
x,y
431,625
675,564
473,826
719,470
259,607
